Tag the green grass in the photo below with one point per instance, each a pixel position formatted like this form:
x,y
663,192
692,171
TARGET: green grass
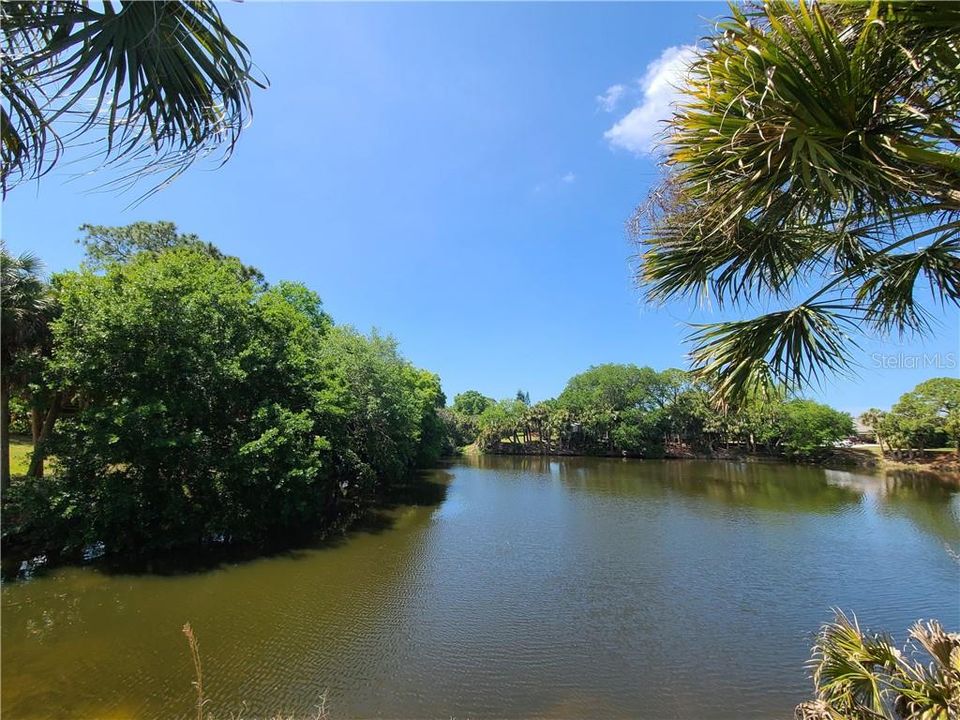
x,y
929,453
20,449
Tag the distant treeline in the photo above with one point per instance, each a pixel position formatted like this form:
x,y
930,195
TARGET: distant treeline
x,y
926,417
625,409
183,400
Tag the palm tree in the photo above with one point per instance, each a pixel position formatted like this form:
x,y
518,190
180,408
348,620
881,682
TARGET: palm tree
x,y
873,419
863,676
812,162
163,82
26,306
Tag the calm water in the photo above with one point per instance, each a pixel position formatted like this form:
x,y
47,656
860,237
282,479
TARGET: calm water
x,y
578,588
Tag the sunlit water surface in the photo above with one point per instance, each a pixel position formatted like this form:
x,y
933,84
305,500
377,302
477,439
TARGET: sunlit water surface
x,y
575,588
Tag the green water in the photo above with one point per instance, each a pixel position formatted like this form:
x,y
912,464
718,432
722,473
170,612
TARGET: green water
x,y
575,588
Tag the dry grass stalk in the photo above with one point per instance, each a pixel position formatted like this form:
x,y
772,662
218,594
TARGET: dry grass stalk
x,y
197,668
198,684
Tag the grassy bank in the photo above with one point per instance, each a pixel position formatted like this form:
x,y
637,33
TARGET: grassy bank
x,y
942,462
20,449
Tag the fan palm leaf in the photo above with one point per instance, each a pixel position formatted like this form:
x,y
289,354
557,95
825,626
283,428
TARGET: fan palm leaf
x,y
812,140
863,676
160,83
25,303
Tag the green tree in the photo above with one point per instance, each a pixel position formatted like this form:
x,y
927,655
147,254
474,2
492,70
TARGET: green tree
x,y
196,403
209,406
757,421
307,302
104,245
382,403
941,398
459,429
471,402
560,426
499,421
812,141
611,387
27,306
614,407
638,432
951,427
922,415
808,428
154,83
873,419
432,436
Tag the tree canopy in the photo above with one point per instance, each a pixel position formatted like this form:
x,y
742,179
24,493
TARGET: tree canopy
x,y
471,402
616,409
27,307
611,387
926,416
206,406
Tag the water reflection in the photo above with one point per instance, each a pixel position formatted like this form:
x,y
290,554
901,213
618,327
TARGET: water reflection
x,y
426,488
311,607
767,486
507,587
931,506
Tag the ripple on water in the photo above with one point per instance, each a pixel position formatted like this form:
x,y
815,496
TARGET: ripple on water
x,y
537,588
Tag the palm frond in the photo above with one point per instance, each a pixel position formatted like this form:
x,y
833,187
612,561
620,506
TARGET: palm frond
x,y
811,140
851,667
792,347
161,83
888,293
862,676
26,304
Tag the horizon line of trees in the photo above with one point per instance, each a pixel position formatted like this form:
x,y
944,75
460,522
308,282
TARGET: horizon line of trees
x,y
623,409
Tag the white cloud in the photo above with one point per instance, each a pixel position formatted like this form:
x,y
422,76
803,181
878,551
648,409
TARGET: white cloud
x,y
637,131
556,182
608,101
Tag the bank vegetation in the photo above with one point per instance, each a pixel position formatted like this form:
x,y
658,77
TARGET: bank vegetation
x,y
187,401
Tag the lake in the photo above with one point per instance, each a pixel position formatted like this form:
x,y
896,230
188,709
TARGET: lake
x,y
518,587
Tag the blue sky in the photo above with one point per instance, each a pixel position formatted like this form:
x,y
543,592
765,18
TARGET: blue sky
x,y
457,175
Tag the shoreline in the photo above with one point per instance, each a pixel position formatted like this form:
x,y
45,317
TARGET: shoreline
x,y
944,468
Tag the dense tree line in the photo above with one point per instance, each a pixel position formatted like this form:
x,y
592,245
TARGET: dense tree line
x,y
626,409
926,417
186,400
